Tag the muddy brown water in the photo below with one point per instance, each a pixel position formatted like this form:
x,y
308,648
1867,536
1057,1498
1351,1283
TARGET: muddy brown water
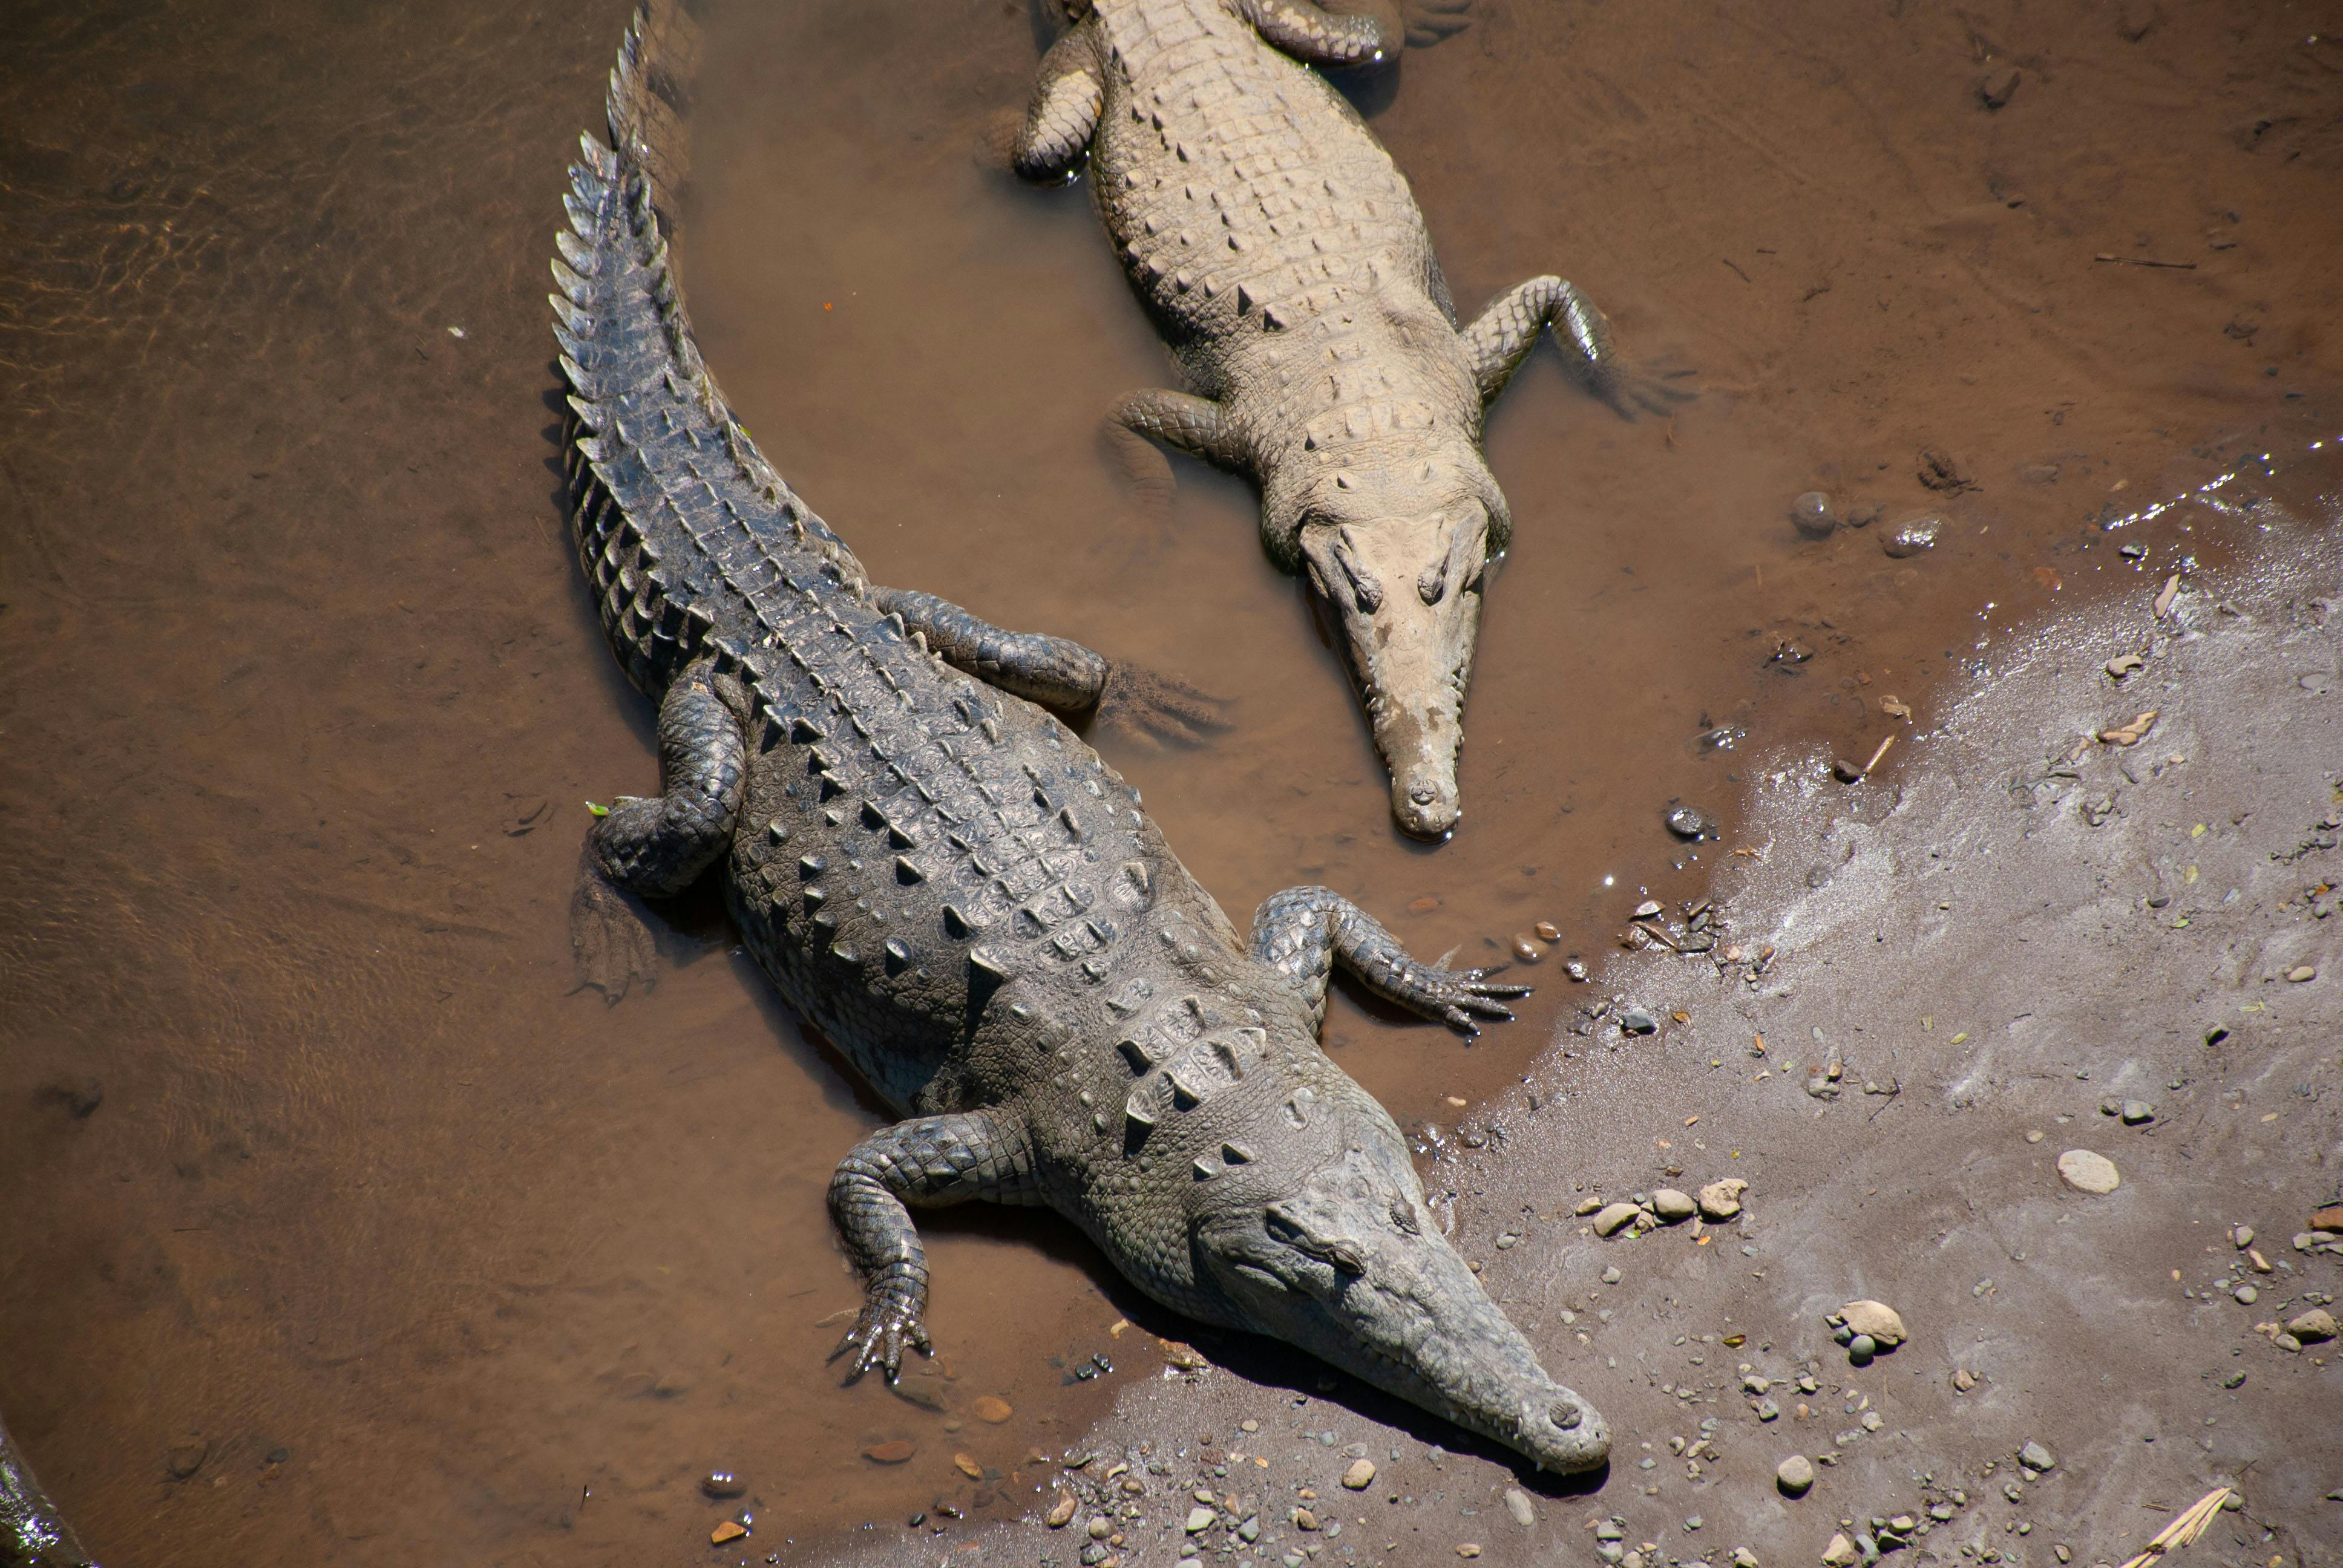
x,y
318,1178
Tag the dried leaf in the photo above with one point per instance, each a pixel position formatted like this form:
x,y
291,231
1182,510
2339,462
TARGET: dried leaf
x,y
2130,734
731,1529
2123,664
1895,708
2048,577
1186,1357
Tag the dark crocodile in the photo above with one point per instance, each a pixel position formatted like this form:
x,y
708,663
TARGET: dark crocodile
x,y
1281,256
31,1534
955,889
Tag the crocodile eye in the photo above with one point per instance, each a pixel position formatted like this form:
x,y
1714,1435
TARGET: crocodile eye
x,y
1402,1214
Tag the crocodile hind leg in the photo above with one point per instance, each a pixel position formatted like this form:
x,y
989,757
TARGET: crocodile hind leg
x,y
1194,424
931,1160
1328,35
1058,673
657,847
1509,329
1303,932
1067,98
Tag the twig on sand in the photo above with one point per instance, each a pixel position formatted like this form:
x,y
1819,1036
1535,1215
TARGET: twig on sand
x,y
2182,1531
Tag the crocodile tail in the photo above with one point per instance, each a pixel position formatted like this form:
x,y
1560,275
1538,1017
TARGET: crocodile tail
x,y
684,529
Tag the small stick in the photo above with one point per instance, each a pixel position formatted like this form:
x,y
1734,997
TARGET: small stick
x,y
1878,754
2139,261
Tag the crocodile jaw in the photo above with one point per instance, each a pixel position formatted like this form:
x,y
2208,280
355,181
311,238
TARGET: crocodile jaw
x,y
1332,1250
1406,593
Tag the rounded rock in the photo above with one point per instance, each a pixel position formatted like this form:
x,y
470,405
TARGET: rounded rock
x,y
1813,514
2033,1456
2312,1326
1526,949
1794,1475
1861,1349
1614,1217
1876,1320
1361,1475
2086,1170
1913,537
1671,1205
2247,1295
2136,1111
723,1483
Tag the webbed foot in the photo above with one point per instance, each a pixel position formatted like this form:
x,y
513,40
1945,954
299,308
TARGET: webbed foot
x,y
1628,387
1430,22
887,1325
610,936
1162,707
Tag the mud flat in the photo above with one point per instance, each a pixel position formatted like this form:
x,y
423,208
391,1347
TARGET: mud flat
x,y
2022,939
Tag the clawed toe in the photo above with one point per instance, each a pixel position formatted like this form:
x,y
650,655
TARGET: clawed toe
x,y
879,1338
1161,707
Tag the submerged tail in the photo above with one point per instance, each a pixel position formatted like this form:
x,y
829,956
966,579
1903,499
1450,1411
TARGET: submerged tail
x,y
684,529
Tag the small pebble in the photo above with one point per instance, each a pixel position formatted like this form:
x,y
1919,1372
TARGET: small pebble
x,y
1575,970
1686,822
722,1483
1635,1020
1812,515
1671,1205
1526,949
1518,1503
2136,1111
1062,1513
894,1453
990,1409
1912,538
1861,1349
1964,1380
2247,1295
1200,1520
731,1529
2301,972
1794,1475
1548,931
183,1459
1612,1276
1360,1475
2242,1237
2033,1456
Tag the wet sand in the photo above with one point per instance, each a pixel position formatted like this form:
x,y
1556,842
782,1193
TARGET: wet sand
x,y
314,1169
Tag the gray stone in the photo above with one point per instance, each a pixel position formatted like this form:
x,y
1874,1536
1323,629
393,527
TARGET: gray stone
x,y
2033,1456
1912,538
1635,1020
2247,1295
1672,1206
1518,1503
1794,1475
2136,1111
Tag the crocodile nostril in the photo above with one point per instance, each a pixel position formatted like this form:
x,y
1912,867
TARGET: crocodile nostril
x,y
1567,1415
1420,794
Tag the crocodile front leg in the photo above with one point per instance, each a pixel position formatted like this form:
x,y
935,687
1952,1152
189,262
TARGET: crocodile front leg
x,y
1067,98
656,847
1058,673
1196,426
1509,329
931,1162
1302,932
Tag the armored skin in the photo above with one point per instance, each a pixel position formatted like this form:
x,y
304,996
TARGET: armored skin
x,y
1283,257
973,908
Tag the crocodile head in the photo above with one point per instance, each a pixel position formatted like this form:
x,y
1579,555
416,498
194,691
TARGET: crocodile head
x,y
1397,551
1322,1238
